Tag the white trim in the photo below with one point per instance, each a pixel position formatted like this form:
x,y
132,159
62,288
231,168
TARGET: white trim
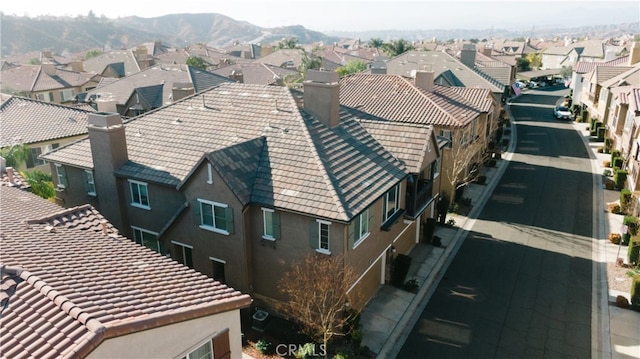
x,y
213,205
328,224
93,182
60,175
209,173
264,224
360,240
323,221
323,251
182,244
144,230
135,204
218,260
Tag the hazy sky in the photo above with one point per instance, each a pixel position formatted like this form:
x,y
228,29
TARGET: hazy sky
x,y
358,15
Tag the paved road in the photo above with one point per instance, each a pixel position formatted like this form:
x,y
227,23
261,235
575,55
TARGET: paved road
x,y
520,285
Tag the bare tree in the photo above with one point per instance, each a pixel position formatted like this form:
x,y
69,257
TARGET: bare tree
x,y
316,289
466,154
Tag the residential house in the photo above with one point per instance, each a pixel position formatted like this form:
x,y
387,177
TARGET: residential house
x,y
582,68
625,112
293,59
556,57
257,73
448,71
151,88
72,288
115,63
240,180
46,82
462,115
212,58
483,62
41,126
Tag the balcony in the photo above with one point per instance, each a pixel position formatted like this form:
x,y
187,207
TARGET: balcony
x,y
419,194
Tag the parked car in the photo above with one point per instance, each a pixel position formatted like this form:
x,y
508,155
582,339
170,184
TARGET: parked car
x,y
562,113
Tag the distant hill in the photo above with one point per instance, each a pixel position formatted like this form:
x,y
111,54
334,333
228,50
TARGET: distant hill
x,y
23,34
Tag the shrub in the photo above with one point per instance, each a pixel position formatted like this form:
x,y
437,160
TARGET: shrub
x,y
614,154
625,239
606,163
341,355
306,351
263,346
632,224
635,292
451,222
411,285
622,302
625,198
615,238
606,172
400,269
609,185
633,252
620,177
614,208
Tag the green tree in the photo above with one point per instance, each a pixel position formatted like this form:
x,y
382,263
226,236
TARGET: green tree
x,y
566,71
397,47
535,60
522,64
288,43
41,183
351,67
92,53
474,41
375,42
309,62
15,155
197,62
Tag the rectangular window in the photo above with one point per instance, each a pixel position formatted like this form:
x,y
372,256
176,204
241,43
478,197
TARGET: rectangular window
x,y
146,238
436,165
91,184
270,224
67,95
361,230
447,134
45,96
61,174
139,194
391,203
320,236
218,269
216,217
205,351
183,253
34,160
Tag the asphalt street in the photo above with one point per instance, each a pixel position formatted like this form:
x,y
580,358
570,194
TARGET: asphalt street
x,y
520,286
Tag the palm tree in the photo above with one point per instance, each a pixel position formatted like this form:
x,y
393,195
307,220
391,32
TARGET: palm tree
x,y
375,42
397,47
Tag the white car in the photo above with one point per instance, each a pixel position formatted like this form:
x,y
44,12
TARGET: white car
x,y
562,113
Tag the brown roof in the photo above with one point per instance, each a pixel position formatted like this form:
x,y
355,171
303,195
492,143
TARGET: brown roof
x,y
396,98
303,166
79,287
255,73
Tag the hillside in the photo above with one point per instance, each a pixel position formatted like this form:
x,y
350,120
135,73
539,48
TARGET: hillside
x,y
24,34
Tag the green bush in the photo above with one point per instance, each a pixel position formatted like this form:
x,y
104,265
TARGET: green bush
x,y
625,198
632,224
635,292
400,269
306,351
620,177
633,252
614,154
263,346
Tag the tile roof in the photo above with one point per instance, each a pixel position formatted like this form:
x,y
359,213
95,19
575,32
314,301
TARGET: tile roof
x,y
600,74
61,79
295,56
19,78
256,73
122,89
304,166
97,64
31,121
629,77
396,98
78,288
441,62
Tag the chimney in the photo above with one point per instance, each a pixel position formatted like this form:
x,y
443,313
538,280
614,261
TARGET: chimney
x,y
322,96
424,80
77,66
181,90
48,68
106,104
468,55
486,51
379,67
237,75
109,152
10,175
634,54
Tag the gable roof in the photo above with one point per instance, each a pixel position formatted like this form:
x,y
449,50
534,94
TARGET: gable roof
x,y
600,74
629,77
256,73
121,90
396,98
441,62
303,166
73,289
28,121
97,64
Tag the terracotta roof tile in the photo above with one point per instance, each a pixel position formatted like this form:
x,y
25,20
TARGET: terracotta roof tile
x,y
73,271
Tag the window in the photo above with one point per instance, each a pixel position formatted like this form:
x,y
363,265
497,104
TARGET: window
x,y
146,238
447,134
66,95
205,351
139,194
183,253
91,184
435,168
61,174
271,224
34,160
361,229
320,236
391,203
45,96
218,269
216,217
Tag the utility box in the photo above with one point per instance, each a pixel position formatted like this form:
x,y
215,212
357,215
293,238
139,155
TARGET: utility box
x,y
260,320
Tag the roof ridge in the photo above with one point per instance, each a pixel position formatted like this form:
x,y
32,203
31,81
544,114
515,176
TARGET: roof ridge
x,y
423,93
65,211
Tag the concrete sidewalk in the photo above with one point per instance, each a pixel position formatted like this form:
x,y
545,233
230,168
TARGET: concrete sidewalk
x,y
389,316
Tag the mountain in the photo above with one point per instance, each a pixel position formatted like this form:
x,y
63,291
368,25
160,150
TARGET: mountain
x,y
75,34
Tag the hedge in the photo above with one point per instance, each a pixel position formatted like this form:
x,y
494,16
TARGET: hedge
x,y
633,252
635,292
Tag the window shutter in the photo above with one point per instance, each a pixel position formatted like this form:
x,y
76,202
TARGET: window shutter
x,y
229,217
352,232
276,225
313,238
196,212
221,346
